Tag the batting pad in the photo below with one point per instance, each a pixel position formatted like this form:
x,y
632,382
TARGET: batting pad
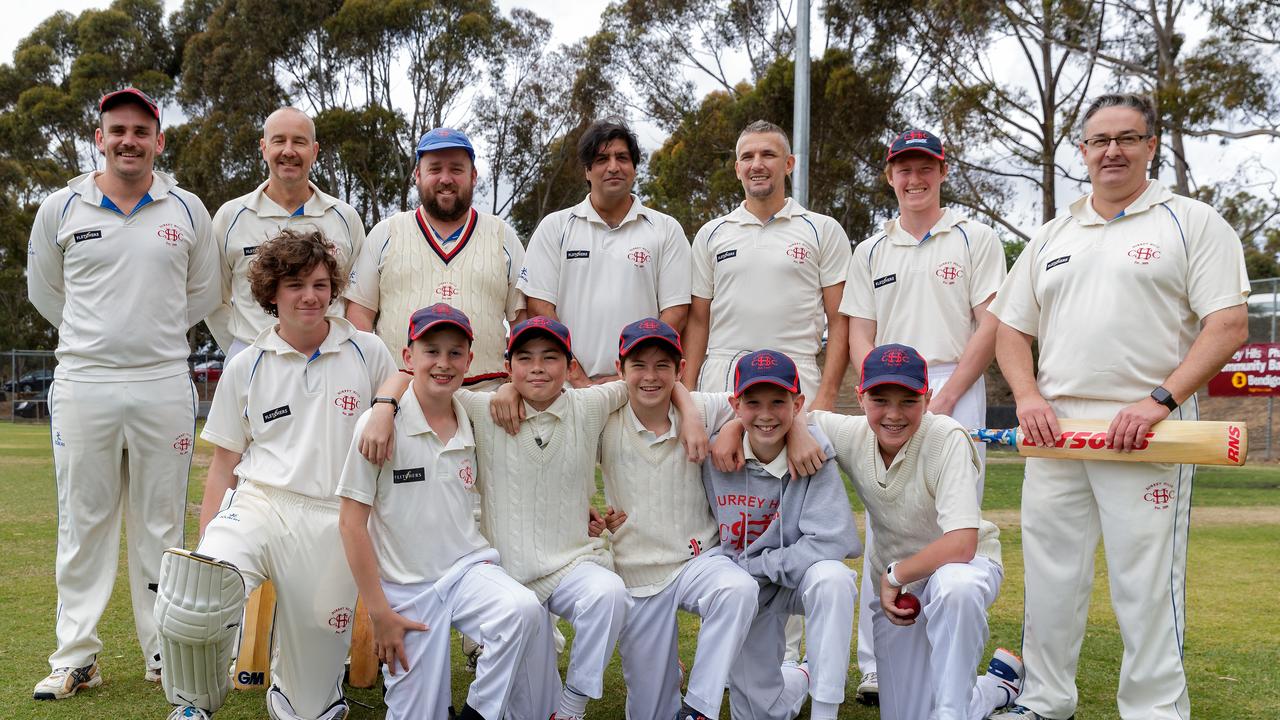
x,y
199,604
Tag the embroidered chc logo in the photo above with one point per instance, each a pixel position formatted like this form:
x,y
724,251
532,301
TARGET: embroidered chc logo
x,y
896,358
648,325
638,256
695,547
348,401
340,620
763,362
1144,253
914,136
539,321
949,272
183,443
447,290
170,233
798,253
1159,494
467,475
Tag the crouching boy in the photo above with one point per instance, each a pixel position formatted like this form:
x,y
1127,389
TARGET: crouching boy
x,y
422,564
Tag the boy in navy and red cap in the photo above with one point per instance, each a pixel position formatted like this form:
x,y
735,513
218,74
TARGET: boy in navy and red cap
x,y
792,535
917,474
925,279
422,497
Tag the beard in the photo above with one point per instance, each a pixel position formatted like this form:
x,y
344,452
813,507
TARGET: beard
x,y
459,206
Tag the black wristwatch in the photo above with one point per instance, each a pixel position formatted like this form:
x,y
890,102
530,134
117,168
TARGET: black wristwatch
x,y
395,404
1164,397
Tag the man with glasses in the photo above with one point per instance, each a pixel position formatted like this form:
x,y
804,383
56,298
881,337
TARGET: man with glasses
x,y
1137,297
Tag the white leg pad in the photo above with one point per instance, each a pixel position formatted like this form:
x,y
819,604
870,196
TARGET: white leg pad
x,y
199,603
279,708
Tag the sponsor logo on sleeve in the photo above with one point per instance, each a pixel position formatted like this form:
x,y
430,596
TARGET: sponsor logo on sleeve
x,y
577,254
87,235
886,280
276,414
722,256
1057,261
408,475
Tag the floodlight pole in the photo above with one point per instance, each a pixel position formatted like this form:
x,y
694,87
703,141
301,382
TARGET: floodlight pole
x,y
800,176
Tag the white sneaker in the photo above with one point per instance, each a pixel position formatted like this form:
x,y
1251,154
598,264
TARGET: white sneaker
x,y
868,689
66,681
188,713
152,675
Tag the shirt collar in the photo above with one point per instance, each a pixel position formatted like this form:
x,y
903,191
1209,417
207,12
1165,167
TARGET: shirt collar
x,y
742,216
414,422
648,434
557,408
339,332
1155,193
262,205
776,467
587,211
87,188
898,236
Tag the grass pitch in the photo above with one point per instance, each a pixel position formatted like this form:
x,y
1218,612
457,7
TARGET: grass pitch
x,y
1232,643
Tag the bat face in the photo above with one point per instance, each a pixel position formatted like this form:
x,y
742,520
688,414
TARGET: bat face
x,y
1171,441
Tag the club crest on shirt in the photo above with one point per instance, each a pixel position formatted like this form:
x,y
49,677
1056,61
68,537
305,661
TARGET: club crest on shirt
x,y
183,443
1144,253
638,256
348,401
949,272
799,253
467,475
171,234
340,619
447,290
1159,494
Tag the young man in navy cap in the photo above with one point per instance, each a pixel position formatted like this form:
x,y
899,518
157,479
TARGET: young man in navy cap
x,y
444,251
422,498
121,263
792,535
924,280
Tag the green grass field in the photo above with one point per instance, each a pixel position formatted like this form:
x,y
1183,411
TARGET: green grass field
x,y
1232,643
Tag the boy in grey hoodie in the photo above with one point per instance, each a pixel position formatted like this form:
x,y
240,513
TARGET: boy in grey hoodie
x,y
792,535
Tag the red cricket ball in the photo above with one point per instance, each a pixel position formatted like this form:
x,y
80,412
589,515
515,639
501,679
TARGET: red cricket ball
x,y
907,601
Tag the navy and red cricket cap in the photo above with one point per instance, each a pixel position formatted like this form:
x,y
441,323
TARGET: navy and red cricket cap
x,y
648,329
443,138
129,95
433,316
765,366
895,365
916,141
544,326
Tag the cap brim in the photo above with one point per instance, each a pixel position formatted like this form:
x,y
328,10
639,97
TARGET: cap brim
x,y
625,349
521,337
905,381
926,151
737,392
120,97
437,323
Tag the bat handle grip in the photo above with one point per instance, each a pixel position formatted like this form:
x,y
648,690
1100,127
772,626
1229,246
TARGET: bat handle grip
x,y
1007,437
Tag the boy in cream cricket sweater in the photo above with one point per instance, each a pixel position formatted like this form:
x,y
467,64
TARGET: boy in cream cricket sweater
x,y
917,473
662,529
422,498
792,534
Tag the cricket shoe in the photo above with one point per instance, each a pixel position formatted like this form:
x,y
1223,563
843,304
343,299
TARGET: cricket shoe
x,y
1019,712
688,713
67,681
1005,669
869,689
152,675
189,713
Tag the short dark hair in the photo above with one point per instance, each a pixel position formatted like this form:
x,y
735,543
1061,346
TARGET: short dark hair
x,y
763,127
289,254
603,132
1142,103
666,348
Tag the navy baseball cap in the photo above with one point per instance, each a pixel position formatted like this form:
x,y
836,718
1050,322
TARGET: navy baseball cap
x,y
129,95
443,138
436,315
765,366
895,365
916,141
540,325
648,329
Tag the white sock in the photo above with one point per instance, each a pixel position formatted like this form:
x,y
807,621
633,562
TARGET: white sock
x,y
572,703
823,711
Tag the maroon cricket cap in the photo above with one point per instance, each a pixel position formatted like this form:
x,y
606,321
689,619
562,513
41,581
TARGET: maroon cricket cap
x,y
129,95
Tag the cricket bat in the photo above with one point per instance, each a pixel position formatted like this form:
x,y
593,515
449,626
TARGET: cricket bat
x,y
253,664
1198,442
364,665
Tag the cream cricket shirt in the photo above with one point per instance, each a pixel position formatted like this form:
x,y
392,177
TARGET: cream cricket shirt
x,y
122,289
243,224
765,280
421,522
923,292
602,278
1116,305
405,266
291,417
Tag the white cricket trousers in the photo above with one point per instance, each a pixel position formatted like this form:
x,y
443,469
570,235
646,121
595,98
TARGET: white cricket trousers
x,y
595,602
477,597
926,669
759,687
293,541
1142,512
725,597
971,412
118,448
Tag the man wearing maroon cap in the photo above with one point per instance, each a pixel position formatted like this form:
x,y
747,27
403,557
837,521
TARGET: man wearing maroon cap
x,y
121,263
924,280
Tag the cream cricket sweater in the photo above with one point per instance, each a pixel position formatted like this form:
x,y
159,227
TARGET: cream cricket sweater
x,y
668,518
930,488
535,500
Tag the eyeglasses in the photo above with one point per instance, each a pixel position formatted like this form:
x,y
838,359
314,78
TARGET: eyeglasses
x,y
1128,140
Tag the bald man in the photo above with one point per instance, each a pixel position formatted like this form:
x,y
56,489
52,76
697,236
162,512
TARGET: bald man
x,y
286,200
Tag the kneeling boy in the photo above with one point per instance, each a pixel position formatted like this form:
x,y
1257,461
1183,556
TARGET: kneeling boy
x,y
423,566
